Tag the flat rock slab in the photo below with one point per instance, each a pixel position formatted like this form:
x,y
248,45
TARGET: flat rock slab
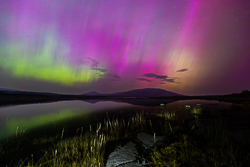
x,y
123,156
132,164
128,155
148,140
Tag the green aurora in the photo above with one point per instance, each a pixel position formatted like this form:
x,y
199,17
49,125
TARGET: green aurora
x,y
44,65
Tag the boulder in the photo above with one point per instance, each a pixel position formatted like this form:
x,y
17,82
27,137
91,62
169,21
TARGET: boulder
x,y
126,155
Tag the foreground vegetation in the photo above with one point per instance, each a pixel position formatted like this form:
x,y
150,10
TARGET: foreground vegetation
x,y
197,142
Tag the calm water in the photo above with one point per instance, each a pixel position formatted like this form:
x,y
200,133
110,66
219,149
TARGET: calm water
x,y
46,117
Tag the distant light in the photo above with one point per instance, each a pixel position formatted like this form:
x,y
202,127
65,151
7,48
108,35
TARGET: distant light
x,y
162,105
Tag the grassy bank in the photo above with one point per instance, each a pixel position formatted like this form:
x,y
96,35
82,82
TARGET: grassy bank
x,y
197,142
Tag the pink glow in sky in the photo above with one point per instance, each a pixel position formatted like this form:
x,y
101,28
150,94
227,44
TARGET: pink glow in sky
x,y
189,47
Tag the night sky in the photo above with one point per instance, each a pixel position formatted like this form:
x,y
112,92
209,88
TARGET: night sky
x,y
192,47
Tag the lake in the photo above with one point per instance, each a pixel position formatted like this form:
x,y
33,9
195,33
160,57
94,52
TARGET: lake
x,y
49,118
57,131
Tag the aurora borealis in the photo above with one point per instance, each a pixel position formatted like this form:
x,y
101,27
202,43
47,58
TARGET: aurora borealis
x,y
186,46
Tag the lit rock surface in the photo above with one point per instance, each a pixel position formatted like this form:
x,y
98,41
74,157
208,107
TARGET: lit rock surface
x,y
148,140
123,156
132,154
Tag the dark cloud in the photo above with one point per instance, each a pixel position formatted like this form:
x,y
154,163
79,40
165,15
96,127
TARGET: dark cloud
x,y
182,70
144,79
171,80
152,75
93,64
88,61
99,69
163,78
112,77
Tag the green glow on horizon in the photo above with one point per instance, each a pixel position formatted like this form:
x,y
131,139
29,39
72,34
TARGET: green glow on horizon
x,y
17,126
43,64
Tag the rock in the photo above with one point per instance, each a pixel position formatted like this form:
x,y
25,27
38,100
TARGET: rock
x,y
148,140
131,164
126,155
133,153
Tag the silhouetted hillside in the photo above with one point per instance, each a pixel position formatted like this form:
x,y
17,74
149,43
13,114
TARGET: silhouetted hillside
x,y
243,94
148,92
92,93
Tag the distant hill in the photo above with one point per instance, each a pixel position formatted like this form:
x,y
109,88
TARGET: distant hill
x,y
147,92
8,90
134,101
12,91
92,93
243,94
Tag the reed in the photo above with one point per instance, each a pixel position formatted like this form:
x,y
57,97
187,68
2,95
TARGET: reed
x,y
210,146
200,145
170,116
87,150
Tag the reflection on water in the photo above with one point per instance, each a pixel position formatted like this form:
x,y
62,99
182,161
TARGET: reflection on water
x,y
15,120
19,126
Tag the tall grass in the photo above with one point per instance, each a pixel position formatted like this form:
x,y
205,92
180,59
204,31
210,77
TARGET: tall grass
x,y
85,150
203,144
167,115
88,149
